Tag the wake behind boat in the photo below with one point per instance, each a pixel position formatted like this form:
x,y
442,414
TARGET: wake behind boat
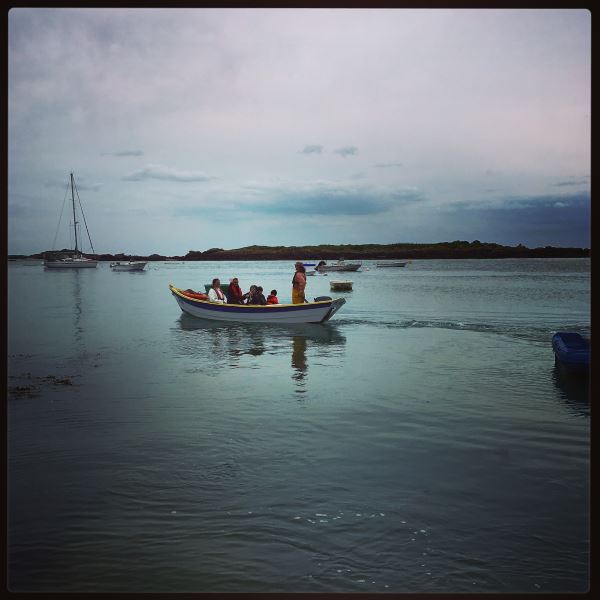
x,y
76,260
319,311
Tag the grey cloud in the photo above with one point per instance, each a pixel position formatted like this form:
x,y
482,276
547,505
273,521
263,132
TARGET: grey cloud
x,y
387,165
571,183
523,202
166,174
563,219
313,149
334,201
80,184
347,151
125,153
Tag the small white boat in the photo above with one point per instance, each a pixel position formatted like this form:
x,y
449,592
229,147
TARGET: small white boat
x,y
310,272
394,263
340,286
319,311
128,265
340,265
76,260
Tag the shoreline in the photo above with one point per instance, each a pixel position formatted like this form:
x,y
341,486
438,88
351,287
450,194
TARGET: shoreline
x,y
439,251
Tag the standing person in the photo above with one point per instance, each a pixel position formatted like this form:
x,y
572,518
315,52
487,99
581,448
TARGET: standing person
x,y
272,297
234,293
298,284
215,294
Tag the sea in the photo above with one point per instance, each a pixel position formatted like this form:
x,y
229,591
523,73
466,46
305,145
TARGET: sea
x,y
422,441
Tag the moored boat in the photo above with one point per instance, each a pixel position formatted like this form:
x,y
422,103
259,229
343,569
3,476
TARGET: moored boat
x,y
319,311
571,350
394,263
76,260
340,265
71,262
340,285
128,265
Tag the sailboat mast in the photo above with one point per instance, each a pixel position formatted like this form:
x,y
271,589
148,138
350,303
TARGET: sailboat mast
x,y
74,219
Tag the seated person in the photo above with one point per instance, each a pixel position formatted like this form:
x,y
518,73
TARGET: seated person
x,y
215,294
234,293
249,297
272,297
260,297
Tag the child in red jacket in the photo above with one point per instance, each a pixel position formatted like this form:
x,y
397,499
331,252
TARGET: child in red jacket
x,y
272,297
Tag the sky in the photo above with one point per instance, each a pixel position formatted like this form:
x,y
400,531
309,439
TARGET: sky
x,y
190,129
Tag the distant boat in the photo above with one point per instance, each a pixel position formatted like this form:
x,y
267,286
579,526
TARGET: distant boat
x,y
128,265
571,351
339,286
76,260
340,265
394,263
28,262
319,311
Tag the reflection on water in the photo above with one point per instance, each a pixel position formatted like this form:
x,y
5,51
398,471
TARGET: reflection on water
x,y
299,362
573,387
223,344
77,298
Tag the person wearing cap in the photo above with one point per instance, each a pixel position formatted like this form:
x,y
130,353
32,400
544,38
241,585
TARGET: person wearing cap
x,y
298,284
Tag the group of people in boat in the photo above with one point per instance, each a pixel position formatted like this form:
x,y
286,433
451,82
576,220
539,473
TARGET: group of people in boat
x,y
235,295
255,295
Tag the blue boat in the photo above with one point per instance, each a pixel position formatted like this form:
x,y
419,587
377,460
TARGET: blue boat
x,y
571,350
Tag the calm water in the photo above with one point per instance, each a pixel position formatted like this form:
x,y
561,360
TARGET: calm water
x,y
421,441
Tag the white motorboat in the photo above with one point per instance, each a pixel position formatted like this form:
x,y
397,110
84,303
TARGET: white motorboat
x,y
76,260
128,265
340,265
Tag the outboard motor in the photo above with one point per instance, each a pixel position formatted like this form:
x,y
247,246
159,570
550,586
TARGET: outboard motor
x,y
323,298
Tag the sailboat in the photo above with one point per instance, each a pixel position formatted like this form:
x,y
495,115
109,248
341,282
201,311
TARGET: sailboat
x,y
77,260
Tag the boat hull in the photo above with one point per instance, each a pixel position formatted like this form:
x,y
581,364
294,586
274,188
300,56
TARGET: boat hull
x,y
71,264
392,264
132,266
310,312
571,350
332,268
340,285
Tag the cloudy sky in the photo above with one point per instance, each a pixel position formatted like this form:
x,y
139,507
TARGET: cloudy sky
x,y
188,129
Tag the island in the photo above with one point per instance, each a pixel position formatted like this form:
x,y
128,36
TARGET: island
x,y
458,249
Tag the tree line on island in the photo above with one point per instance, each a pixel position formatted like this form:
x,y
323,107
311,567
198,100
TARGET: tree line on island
x,y
442,250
